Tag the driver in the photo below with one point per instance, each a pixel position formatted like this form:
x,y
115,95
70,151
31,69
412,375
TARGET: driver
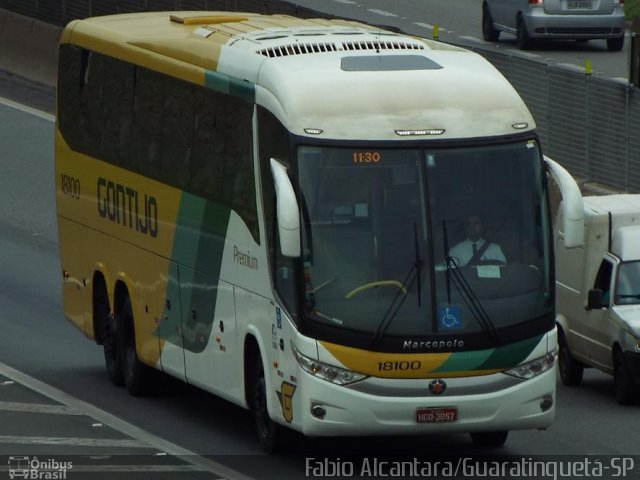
x,y
475,248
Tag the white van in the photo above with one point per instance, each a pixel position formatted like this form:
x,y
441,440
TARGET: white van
x,y
598,295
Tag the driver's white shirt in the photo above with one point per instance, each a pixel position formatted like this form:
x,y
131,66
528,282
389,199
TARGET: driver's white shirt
x,y
463,251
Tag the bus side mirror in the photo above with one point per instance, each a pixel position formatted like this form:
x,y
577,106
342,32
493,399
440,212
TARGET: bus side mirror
x,y
287,211
572,204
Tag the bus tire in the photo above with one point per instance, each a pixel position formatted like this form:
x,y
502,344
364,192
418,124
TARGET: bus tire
x,y
111,350
136,374
107,332
270,434
489,439
571,371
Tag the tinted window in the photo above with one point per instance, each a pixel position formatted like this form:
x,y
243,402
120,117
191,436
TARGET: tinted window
x,y
172,131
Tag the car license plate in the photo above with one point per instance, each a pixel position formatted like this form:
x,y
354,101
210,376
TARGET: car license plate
x,y
436,414
579,4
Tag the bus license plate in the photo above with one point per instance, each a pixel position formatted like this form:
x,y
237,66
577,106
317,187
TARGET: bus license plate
x,y
436,415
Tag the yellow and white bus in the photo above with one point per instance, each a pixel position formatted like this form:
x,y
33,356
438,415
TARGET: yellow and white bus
x,y
265,207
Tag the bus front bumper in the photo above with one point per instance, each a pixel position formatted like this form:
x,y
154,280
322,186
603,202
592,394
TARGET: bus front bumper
x,y
325,409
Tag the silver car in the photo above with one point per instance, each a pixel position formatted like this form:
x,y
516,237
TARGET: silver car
x,y
580,20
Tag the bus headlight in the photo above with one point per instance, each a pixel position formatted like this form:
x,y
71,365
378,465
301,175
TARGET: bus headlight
x,y
330,373
534,368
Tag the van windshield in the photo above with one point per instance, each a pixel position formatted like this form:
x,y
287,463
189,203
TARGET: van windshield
x,y
628,284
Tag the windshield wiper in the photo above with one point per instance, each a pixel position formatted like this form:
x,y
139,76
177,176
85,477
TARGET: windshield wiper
x,y
466,292
410,278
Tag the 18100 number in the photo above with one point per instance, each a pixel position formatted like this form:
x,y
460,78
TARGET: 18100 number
x,y
399,365
70,186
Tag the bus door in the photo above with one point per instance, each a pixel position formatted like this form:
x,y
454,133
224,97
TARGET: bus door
x,y
208,329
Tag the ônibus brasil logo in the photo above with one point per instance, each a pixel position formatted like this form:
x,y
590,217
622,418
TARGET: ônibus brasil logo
x,y
35,469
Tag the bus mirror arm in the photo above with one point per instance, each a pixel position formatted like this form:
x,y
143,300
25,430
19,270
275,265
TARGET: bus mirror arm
x,y
287,211
572,204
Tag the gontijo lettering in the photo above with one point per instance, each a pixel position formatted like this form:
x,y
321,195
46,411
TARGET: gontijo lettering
x,y
124,205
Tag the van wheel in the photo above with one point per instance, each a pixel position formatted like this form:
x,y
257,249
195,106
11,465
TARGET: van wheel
x,y
490,439
489,33
136,374
571,370
615,44
270,434
623,388
111,350
523,40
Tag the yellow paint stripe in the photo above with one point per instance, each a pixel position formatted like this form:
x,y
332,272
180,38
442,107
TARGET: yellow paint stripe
x,y
389,365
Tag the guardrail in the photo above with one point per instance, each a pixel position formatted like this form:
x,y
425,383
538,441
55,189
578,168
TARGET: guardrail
x,y
590,125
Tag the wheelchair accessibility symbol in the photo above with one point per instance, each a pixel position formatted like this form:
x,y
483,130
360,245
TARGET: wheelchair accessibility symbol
x,y
450,317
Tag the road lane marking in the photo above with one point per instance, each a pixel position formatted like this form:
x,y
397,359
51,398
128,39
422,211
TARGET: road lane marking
x,y
37,408
428,26
472,39
29,110
384,13
120,425
72,441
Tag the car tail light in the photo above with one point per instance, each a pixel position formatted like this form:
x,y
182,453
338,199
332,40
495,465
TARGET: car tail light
x,y
535,2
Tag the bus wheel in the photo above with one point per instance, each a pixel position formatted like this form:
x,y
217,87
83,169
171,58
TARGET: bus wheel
x,y
136,374
490,439
571,370
112,355
623,387
270,434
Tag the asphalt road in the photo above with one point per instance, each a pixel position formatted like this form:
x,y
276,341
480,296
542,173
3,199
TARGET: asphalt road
x,y
460,23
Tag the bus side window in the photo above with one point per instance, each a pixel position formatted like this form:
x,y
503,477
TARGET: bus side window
x,y
238,189
273,143
147,120
177,131
206,153
117,112
69,84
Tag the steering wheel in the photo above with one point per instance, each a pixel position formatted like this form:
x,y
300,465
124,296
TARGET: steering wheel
x,y
379,283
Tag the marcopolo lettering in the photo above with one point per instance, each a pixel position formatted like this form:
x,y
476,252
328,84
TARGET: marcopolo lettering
x,y
126,206
432,344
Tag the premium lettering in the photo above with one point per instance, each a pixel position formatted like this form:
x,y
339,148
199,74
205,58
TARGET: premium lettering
x,y
244,259
126,206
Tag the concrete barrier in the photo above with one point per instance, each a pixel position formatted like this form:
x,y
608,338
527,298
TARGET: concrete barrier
x,y
29,47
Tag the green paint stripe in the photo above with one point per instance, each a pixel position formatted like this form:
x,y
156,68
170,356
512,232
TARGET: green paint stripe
x,y
499,358
188,228
223,83
198,245
462,361
511,355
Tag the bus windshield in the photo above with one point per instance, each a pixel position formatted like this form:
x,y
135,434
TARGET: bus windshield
x,y
385,233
